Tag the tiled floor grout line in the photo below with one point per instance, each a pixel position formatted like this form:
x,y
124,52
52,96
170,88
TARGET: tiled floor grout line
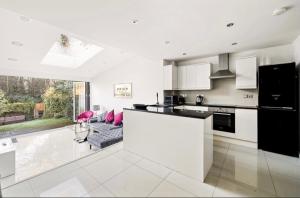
x,y
96,160
143,158
181,187
152,172
163,179
125,169
102,184
109,191
132,165
79,167
266,158
135,164
33,192
223,163
58,167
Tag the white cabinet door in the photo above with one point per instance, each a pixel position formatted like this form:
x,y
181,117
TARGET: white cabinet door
x,y
194,77
182,77
167,77
246,73
246,124
203,72
170,77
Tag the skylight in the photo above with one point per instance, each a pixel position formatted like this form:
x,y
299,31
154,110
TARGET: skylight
x,y
73,56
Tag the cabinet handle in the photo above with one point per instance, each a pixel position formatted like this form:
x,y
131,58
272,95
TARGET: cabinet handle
x,y
223,114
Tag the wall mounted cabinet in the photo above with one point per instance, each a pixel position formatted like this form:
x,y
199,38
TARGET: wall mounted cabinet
x,y
246,77
170,77
194,77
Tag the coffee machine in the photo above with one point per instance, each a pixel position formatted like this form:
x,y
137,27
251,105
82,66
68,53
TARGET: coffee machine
x,y
199,99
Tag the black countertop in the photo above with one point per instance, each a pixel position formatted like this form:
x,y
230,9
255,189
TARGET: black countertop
x,y
220,105
175,112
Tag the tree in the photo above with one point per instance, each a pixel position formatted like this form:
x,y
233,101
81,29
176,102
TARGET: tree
x,y
20,94
3,102
58,100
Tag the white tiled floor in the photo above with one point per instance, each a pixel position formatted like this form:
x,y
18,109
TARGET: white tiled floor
x,y
237,171
45,150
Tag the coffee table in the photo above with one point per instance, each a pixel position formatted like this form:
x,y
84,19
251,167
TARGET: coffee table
x,y
81,132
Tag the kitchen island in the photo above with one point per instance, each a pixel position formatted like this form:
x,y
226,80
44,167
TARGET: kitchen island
x,y
181,140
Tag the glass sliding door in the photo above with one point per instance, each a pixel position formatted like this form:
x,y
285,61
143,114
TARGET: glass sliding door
x,y
81,98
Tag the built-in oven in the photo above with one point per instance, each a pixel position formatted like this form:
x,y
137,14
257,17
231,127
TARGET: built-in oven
x,y
223,119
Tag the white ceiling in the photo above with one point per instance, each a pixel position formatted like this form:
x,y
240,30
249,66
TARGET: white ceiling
x,y
37,39
196,27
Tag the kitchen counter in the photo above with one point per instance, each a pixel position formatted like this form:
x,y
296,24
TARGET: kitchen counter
x,y
179,139
222,105
176,112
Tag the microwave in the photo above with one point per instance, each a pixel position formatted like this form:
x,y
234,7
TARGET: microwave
x,y
174,100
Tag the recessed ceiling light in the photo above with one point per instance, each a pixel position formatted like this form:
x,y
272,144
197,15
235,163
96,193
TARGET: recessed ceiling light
x,y
184,54
134,21
235,43
230,24
24,19
279,11
167,42
12,59
17,43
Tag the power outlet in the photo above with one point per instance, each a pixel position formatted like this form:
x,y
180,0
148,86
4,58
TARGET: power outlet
x,y
248,96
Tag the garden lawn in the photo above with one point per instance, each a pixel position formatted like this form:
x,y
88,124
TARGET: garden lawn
x,y
36,125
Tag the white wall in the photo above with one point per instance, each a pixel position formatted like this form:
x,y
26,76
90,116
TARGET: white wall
x,y
297,50
224,91
145,75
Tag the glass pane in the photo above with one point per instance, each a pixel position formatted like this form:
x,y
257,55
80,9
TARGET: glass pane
x,y
79,98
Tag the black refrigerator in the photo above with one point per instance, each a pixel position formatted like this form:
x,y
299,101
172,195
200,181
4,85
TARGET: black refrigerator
x,y
278,129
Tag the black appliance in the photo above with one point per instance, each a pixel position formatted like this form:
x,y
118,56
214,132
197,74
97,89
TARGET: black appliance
x,y
223,119
278,130
174,100
199,99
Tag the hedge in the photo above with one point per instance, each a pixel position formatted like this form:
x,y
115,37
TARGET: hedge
x,y
18,108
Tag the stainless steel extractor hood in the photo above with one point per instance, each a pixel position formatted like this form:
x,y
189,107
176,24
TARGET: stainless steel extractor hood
x,y
223,68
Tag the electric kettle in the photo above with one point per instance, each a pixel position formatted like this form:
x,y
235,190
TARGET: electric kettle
x,y
199,99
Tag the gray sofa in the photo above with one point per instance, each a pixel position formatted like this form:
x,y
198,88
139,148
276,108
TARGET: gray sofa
x,y
103,134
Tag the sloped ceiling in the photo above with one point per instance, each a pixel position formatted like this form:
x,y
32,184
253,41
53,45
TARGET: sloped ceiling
x,y
195,27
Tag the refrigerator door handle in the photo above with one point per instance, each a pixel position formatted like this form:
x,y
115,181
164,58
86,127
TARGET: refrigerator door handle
x,y
283,108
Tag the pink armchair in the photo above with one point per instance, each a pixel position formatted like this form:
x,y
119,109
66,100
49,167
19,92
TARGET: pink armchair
x,y
84,117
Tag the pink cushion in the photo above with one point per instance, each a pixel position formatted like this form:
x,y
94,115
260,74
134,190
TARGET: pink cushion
x,y
110,117
118,119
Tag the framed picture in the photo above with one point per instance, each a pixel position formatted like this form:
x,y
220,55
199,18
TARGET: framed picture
x,y
123,90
